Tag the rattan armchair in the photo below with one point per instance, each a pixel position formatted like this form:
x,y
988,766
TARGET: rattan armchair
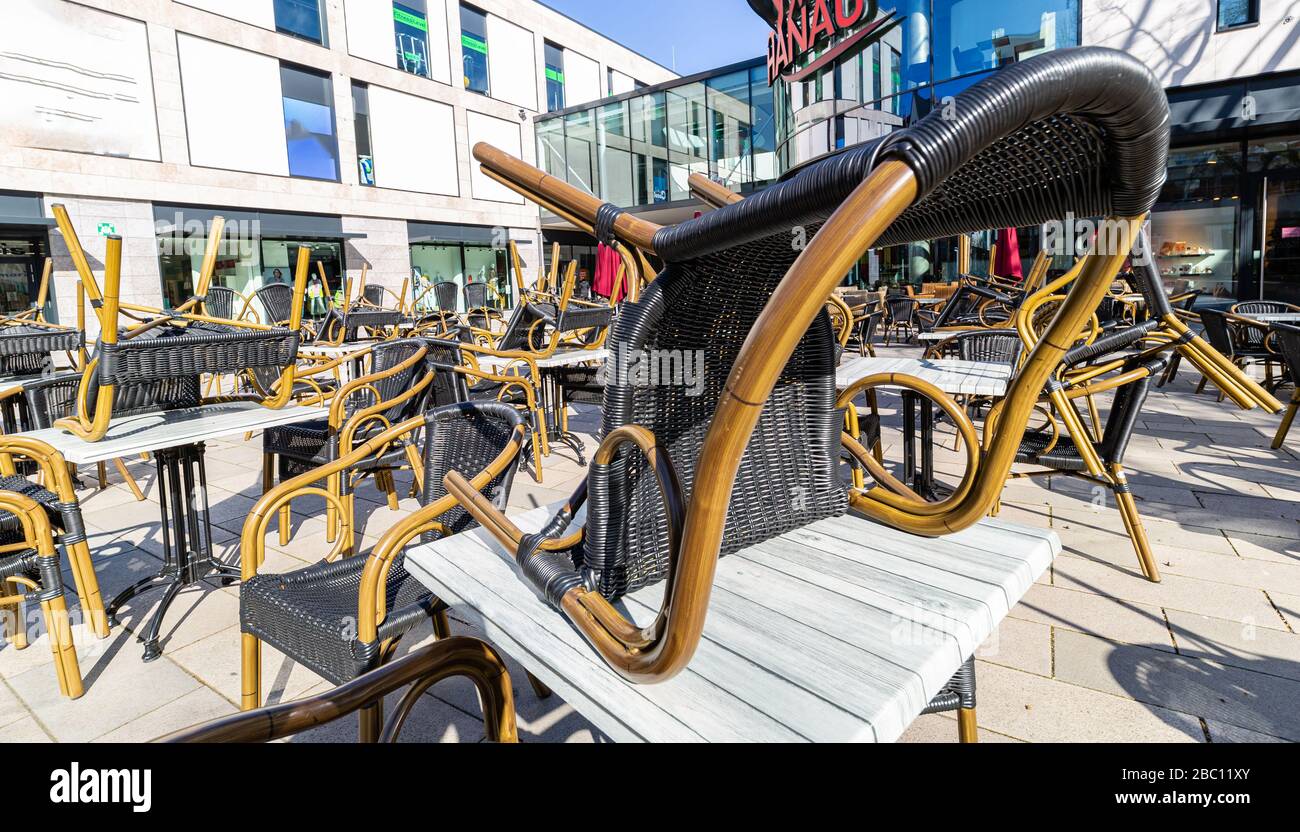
x,y
344,617
680,479
1240,339
391,391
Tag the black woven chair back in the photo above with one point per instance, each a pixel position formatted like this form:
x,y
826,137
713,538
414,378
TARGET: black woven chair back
x,y
445,294
901,310
221,302
1218,331
374,295
448,386
586,322
688,327
25,350
1263,307
386,356
277,303
1287,339
1000,346
466,437
521,323
49,399
869,326
148,395
476,295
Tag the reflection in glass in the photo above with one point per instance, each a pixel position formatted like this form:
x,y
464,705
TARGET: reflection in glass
x,y
309,124
474,49
300,18
554,78
411,30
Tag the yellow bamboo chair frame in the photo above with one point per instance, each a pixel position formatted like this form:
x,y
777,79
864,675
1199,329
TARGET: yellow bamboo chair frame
x,y
371,601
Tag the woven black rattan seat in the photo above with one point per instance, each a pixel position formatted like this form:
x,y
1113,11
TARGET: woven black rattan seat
x,y
10,527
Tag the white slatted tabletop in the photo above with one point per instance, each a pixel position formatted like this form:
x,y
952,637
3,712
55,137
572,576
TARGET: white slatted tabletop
x,y
842,630
171,428
951,375
1276,317
941,334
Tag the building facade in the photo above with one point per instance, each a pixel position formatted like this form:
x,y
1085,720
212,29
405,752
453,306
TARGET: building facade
x,y
340,125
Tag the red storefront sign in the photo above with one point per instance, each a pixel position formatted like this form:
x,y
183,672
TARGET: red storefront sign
x,y
803,24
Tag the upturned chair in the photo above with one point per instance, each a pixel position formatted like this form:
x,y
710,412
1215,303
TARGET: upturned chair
x,y
171,345
364,407
1287,339
680,479
344,617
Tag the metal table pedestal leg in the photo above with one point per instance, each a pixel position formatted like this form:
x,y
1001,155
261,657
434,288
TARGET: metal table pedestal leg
x,y
187,540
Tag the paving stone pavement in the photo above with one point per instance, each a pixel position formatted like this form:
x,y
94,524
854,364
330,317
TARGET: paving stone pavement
x,y
1092,653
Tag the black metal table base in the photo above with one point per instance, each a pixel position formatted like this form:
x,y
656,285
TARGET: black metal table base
x,y
187,541
552,410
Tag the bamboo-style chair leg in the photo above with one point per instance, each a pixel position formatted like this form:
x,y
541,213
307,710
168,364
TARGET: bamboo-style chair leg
x,y
11,618
1287,420
87,585
128,479
333,485
417,468
967,731
250,672
286,522
1133,524
1200,386
268,472
59,627
102,470
386,483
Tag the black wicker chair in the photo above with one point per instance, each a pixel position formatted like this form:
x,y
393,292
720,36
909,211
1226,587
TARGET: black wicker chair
x,y
680,479
1287,339
277,303
362,408
902,318
445,294
345,617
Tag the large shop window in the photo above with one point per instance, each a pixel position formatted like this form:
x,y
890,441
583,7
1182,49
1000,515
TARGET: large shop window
x,y
411,30
474,49
460,263
309,124
1236,13
554,77
300,18
1194,226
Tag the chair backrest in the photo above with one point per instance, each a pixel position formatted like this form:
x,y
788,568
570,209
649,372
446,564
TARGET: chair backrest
x,y
445,294
1218,331
49,399
1263,307
223,302
374,294
448,386
1287,338
521,323
465,438
1001,346
277,303
901,309
476,295
869,325
385,356
590,321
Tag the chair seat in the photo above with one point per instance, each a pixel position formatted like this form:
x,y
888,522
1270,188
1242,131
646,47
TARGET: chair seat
x,y
1064,457
311,615
11,527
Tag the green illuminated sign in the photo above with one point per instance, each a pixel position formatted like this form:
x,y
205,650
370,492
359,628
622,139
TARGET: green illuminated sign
x,y
470,42
415,21
554,75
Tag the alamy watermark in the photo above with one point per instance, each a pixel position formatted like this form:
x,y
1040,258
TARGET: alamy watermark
x,y
628,367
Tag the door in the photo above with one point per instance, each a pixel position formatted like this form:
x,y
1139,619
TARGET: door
x,y
1279,265
21,261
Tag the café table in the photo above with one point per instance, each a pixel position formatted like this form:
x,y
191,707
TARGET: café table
x,y
553,405
176,438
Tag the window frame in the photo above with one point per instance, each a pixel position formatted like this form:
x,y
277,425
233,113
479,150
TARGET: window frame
x,y
1254,15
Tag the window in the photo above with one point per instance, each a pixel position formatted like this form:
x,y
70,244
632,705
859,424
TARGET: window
x,y
474,49
968,39
361,121
309,123
1234,13
301,19
411,29
554,77
609,81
